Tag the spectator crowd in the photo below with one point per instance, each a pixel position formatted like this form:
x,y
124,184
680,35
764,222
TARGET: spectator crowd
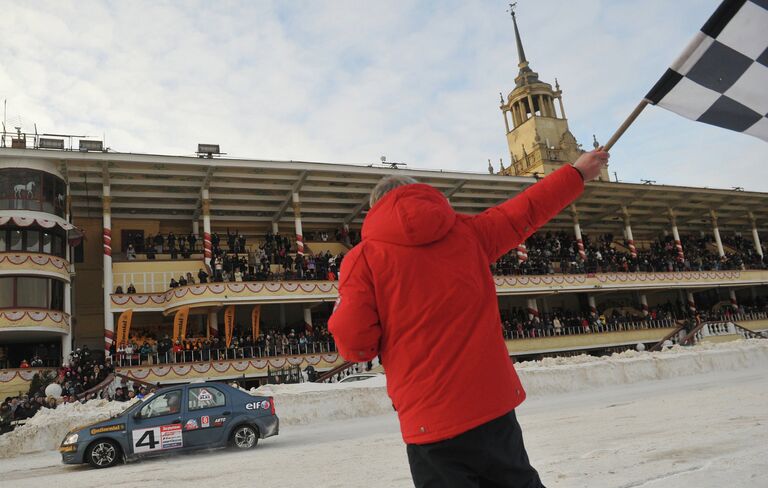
x,y
558,252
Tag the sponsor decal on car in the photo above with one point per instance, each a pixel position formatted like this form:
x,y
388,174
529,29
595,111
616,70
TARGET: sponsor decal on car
x,y
107,428
262,405
190,425
219,421
205,421
157,438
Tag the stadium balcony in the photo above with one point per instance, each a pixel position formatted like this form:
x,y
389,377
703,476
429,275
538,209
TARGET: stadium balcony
x,y
34,264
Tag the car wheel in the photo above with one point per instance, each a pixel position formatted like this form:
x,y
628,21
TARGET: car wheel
x,y
244,437
103,454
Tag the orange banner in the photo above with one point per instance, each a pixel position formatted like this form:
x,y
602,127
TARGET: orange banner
x,y
255,315
123,327
229,323
180,324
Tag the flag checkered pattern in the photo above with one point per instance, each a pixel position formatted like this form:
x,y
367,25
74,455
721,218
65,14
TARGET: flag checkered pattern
x,y
722,77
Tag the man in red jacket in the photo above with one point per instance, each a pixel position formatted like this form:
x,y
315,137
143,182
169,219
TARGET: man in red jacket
x,y
418,292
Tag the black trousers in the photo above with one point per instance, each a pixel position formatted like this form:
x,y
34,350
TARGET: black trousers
x,y
490,455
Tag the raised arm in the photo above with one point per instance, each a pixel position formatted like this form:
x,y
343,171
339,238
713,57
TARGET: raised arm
x,y
505,226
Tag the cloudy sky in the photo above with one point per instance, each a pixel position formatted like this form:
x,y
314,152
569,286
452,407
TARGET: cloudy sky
x,y
349,81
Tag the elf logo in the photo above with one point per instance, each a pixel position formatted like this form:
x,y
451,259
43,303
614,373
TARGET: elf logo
x,y
263,405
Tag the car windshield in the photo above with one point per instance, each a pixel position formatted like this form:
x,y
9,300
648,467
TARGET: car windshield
x,y
132,405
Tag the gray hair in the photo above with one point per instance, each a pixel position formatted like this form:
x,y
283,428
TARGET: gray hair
x,y
388,184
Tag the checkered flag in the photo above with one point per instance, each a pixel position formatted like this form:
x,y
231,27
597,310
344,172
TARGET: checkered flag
x,y
722,77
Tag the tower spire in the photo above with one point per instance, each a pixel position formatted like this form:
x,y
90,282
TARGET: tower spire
x,y
522,62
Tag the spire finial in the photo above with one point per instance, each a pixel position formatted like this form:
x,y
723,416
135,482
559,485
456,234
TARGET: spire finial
x,y
501,97
522,62
595,144
501,164
490,166
557,85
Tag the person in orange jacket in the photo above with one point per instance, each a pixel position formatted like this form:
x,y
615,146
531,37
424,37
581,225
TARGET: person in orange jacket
x,y
418,292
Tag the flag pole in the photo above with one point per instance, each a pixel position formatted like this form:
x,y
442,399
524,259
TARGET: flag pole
x,y
625,125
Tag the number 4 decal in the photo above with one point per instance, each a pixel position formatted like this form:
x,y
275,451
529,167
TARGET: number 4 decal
x,y
147,440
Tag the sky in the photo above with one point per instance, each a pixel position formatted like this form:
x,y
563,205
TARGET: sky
x,y
351,81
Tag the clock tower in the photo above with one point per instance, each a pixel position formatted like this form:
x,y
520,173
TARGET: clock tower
x,y
537,131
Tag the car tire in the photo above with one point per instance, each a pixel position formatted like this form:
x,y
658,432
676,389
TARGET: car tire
x,y
244,437
103,453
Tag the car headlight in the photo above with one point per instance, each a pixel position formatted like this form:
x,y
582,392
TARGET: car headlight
x,y
70,439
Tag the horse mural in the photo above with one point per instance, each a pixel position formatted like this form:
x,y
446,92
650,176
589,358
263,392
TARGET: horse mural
x,y
29,189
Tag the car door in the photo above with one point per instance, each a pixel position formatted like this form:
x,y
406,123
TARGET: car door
x,y
207,412
156,426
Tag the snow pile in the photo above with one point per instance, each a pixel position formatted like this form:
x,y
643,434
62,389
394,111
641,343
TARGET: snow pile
x,y
311,402
577,373
48,427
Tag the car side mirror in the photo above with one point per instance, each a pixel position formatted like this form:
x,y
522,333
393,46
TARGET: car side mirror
x,y
137,415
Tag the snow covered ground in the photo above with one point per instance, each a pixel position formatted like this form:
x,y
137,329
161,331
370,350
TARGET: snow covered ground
x,y
682,418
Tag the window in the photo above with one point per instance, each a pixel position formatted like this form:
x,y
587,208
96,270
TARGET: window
x,y
29,292
47,238
79,253
32,292
33,240
6,292
205,397
165,404
32,243
16,240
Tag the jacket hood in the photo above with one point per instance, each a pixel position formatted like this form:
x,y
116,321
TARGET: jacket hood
x,y
411,215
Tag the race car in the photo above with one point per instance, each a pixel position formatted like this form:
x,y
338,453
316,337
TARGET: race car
x,y
177,418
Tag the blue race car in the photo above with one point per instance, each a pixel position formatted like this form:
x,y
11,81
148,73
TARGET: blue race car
x,y
177,418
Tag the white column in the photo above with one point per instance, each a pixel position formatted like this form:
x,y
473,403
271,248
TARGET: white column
x,y
533,308
678,242
756,236
196,227
207,247
109,321
691,302
644,304
297,219
732,296
628,234
592,305
716,233
275,227
522,253
66,339
308,327
577,234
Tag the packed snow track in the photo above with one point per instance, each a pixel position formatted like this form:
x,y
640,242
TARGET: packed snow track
x,y
703,430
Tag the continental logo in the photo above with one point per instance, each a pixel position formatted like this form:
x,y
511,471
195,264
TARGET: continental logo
x,y
107,428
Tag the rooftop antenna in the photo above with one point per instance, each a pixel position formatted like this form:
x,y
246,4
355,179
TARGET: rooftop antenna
x,y
648,182
391,164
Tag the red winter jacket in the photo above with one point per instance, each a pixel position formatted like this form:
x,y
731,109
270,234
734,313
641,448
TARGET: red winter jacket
x,y
418,292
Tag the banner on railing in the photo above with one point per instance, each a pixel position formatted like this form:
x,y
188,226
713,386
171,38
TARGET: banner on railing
x,y
229,323
255,316
180,324
124,327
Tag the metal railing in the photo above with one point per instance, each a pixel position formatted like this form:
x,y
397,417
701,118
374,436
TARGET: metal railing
x,y
591,329
222,354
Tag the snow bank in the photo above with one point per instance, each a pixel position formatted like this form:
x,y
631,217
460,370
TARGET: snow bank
x,y
320,402
577,373
48,427
310,402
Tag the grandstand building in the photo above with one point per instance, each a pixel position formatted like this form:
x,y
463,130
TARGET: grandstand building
x,y
80,253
